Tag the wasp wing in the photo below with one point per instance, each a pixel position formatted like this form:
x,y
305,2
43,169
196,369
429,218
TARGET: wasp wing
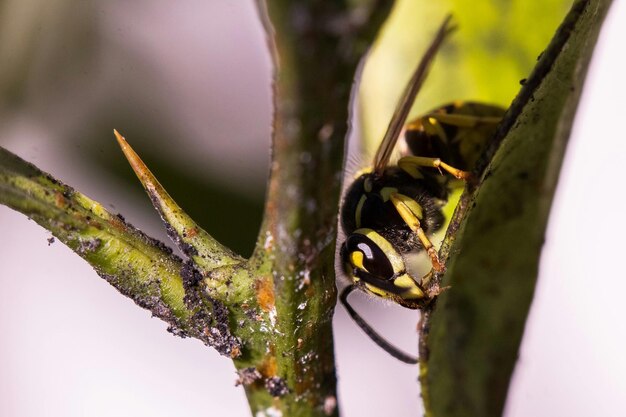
x,y
383,154
352,148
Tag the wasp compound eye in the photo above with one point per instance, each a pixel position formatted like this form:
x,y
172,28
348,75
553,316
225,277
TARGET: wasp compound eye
x,y
363,253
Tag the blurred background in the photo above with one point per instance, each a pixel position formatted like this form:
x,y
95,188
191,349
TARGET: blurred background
x,y
188,85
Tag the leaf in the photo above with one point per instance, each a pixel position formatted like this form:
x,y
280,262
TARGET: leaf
x,y
476,328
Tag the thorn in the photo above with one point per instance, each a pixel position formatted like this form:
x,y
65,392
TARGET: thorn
x,y
121,141
119,137
141,170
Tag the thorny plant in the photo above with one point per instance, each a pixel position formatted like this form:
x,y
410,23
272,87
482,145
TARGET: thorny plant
x,y
272,313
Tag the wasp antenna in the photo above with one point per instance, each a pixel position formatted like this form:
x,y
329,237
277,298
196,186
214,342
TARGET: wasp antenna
x,y
383,154
449,25
371,333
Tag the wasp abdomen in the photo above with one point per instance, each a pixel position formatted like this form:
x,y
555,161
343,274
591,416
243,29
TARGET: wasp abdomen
x,y
455,133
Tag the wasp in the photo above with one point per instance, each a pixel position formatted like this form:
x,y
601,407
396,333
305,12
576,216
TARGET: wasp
x,y
393,209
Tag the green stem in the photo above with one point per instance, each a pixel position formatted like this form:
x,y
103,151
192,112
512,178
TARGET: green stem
x,y
138,266
316,48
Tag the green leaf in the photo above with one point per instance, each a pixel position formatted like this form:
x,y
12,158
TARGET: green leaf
x,y
476,328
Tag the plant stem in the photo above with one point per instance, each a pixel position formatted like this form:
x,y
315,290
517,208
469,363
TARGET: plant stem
x,y
316,47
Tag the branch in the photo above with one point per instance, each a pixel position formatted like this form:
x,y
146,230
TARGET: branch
x,y
272,313
316,49
140,267
470,341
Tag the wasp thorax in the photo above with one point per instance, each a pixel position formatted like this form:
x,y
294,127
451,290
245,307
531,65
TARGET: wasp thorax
x,y
372,202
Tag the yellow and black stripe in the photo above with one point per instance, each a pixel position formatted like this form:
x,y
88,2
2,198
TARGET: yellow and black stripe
x,y
371,260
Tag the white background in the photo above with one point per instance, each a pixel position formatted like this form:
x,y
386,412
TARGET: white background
x,y
72,346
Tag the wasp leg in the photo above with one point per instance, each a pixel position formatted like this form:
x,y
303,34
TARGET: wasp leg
x,y
428,125
411,211
432,289
410,164
371,333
